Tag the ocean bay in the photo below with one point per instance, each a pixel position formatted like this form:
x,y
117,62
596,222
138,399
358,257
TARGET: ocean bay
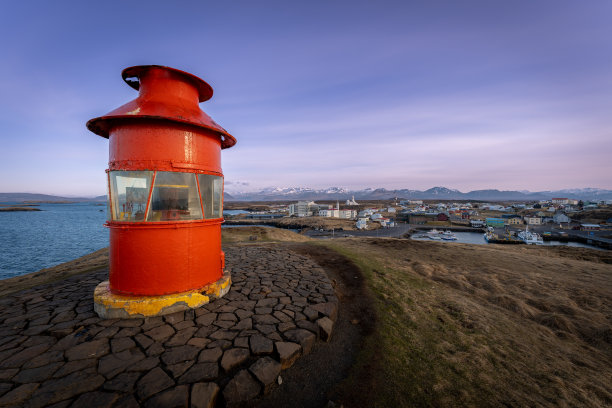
x,y
33,240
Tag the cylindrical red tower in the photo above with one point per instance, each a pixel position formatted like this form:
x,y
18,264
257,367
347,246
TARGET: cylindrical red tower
x,y
165,185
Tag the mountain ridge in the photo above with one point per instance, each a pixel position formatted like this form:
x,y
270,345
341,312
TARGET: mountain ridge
x,y
342,194
438,192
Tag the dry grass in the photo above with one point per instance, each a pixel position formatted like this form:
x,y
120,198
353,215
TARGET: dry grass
x,y
259,234
476,325
319,222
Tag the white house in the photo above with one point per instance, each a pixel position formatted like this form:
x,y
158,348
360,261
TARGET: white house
x,y
362,223
365,213
336,213
559,218
533,220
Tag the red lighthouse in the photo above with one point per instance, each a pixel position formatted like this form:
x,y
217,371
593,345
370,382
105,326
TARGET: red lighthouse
x,y
165,197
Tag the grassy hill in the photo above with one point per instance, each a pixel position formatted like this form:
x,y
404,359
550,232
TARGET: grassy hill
x,y
483,325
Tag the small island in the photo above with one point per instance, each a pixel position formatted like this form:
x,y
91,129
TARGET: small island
x,y
19,208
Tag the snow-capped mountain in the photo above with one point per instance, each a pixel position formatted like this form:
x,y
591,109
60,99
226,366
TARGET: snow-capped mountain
x,y
442,191
434,193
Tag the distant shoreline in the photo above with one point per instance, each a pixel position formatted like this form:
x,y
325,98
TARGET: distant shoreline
x,y
48,202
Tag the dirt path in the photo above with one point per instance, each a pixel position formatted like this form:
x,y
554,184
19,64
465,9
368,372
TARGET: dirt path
x,y
316,379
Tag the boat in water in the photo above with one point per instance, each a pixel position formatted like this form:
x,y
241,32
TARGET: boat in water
x,y
490,234
434,234
530,237
499,237
448,236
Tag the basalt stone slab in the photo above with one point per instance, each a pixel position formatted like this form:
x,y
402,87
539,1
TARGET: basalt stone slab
x,y
18,396
325,328
184,324
4,388
265,319
303,337
113,364
38,374
8,373
123,382
144,365
327,309
233,358
56,341
127,332
160,333
260,345
176,317
153,382
308,325
244,314
45,358
310,313
204,395
210,355
96,399
121,344
199,342
287,353
176,397
241,342
206,319
126,401
56,390
19,358
200,372
223,335
224,344
178,369
143,341
152,322
180,353
245,324
91,349
242,387
182,336
87,365
129,323
266,370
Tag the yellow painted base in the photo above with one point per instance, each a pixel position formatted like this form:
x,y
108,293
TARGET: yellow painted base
x,y
110,306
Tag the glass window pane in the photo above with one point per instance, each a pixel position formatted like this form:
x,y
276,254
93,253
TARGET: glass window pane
x,y
129,194
175,197
109,217
211,189
217,197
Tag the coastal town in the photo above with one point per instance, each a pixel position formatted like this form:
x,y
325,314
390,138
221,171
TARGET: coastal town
x,y
559,219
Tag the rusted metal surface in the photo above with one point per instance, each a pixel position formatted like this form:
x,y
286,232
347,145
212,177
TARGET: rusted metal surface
x,y
163,130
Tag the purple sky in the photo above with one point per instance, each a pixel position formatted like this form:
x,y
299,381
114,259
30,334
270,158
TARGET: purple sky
x,y
467,95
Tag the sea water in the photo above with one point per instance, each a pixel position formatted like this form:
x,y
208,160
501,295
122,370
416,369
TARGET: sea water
x,y
478,238
33,240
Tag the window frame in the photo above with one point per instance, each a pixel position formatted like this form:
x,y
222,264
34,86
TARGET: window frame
x,y
203,219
